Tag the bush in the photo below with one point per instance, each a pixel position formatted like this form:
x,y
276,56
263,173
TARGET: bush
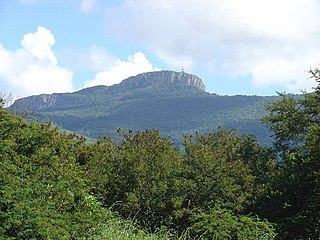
x,y
221,223
43,193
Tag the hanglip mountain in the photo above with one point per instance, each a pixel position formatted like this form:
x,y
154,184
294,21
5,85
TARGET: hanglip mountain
x,y
176,103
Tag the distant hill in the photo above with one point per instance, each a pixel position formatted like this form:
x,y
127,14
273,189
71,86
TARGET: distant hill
x,y
176,103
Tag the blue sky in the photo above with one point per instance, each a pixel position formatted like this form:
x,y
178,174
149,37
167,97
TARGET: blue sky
x,y
254,47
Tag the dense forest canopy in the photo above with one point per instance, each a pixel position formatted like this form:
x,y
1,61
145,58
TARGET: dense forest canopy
x,y
221,185
173,102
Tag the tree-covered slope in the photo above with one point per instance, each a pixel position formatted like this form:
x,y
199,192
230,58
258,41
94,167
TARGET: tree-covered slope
x,y
175,103
218,185
56,186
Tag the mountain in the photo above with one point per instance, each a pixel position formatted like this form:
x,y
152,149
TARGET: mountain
x,y
176,103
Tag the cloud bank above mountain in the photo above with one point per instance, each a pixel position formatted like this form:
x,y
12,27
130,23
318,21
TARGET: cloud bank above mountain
x,y
275,42
237,47
120,70
34,69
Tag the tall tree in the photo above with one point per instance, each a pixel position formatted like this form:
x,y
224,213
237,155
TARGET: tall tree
x,y
295,122
222,173
137,178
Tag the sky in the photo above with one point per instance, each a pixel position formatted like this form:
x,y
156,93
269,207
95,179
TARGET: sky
x,y
251,47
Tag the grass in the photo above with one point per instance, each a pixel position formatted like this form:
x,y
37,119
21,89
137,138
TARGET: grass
x,y
118,229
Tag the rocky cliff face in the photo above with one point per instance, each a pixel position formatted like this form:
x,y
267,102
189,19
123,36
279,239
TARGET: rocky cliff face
x,y
160,82
164,78
45,101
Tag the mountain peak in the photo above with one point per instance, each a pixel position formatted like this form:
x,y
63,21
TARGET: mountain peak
x,y
164,78
145,84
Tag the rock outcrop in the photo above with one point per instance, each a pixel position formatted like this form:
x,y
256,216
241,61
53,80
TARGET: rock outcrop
x,y
158,82
164,78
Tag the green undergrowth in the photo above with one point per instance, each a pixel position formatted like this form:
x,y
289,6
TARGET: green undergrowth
x,y
120,229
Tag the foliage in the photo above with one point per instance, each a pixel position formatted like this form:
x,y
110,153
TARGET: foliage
x,y
222,169
42,190
172,109
214,165
146,177
295,198
119,229
221,223
137,178
50,182
218,185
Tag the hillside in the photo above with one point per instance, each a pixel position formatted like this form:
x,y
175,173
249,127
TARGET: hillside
x,y
176,103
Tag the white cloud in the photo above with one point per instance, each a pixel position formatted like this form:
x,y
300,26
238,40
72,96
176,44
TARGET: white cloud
x,y
33,69
274,41
39,45
108,68
120,70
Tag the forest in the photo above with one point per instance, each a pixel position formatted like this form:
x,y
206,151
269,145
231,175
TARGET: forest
x,y
162,100
218,185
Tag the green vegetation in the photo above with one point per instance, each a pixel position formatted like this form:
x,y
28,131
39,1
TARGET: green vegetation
x,y
174,109
119,229
43,192
221,185
295,196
